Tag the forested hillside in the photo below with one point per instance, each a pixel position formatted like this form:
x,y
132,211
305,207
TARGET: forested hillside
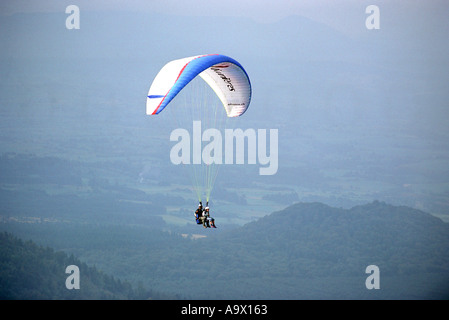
x,y
32,272
311,250
306,251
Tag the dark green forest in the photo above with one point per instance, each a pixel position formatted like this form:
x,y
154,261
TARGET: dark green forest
x,y
33,272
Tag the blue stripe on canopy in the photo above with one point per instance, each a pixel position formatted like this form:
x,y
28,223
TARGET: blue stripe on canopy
x,y
191,70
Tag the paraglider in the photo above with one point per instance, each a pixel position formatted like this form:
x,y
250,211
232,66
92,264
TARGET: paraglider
x,y
224,75
228,89
202,216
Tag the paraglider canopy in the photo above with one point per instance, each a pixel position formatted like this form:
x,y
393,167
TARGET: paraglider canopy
x,y
224,75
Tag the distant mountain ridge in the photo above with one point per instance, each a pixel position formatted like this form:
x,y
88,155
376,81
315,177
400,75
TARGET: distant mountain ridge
x,y
374,233
376,214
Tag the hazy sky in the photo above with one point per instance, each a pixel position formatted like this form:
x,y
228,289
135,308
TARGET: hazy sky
x,y
397,76
344,15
